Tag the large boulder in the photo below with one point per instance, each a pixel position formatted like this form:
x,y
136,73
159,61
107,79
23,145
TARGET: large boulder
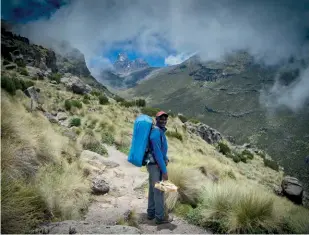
x,y
207,133
99,186
73,83
292,189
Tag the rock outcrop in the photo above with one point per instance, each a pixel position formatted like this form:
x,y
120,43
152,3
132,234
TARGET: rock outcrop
x,y
99,186
292,189
18,49
75,84
207,133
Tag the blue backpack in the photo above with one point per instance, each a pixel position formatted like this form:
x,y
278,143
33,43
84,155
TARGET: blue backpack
x,y
142,128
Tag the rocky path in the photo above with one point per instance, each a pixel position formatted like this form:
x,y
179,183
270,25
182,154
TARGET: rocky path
x,y
127,184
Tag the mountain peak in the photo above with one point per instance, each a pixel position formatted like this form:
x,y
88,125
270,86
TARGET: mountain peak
x,y
124,65
122,57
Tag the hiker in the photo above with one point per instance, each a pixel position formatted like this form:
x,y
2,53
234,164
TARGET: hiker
x,y
157,161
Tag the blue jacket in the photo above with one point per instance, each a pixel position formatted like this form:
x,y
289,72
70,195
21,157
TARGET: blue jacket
x,y
159,147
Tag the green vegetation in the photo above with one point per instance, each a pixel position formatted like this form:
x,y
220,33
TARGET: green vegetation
x,y
103,99
90,142
224,148
68,104
75,122
107,137
271,164
11,84
23,71
174,134
55,77
150,111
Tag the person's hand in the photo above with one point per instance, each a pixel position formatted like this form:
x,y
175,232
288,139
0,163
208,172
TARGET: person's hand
x,y
166,162
165,177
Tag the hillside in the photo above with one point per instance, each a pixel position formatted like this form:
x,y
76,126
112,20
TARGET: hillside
x,y
64,168
227,96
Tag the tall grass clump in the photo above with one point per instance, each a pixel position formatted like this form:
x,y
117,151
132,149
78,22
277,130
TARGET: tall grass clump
x,y
189,182
90,142
33,158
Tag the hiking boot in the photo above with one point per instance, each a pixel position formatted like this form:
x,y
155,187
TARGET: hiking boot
x,y
150,217
164,221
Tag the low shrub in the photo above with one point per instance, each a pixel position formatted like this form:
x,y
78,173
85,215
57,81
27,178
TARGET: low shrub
x,y
224,148
55,77
150,111
107,137
174,134
271,164
75,122
103,99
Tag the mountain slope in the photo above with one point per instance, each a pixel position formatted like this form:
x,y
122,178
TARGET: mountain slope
x,y
227,97
126,73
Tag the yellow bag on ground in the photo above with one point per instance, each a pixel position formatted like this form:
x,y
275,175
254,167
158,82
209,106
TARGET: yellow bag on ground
x,y
166,186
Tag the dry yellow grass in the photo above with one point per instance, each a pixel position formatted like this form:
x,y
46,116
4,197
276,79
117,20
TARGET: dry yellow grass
x,y
267,212
34,168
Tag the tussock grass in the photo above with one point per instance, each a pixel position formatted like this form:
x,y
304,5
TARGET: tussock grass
x,y
189,182
129,219
37,181
234,207
22,208
64,189
90,142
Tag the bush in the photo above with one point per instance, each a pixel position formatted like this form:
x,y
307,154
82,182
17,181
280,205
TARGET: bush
x,y
140,103
86,99
103,99
22,208
193,120
224,148
119,99
67,105
25,84
8,84
182,118
75,122
11,84
107,137
6,62
127,104
235,157
248,154
271,164
21,63
150,111
174,134
55,77
89,142
95,92
23,71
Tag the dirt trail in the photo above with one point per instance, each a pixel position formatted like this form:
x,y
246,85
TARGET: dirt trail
x,y
127,184
126,193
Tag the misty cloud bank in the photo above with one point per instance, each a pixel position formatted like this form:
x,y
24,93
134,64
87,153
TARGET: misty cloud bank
x,y
271,30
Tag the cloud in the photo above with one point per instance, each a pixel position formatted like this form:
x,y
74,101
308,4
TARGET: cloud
x,y
177,59
295,96
270,31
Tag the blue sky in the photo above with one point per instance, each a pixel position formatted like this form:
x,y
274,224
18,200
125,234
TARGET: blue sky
x,y
24,11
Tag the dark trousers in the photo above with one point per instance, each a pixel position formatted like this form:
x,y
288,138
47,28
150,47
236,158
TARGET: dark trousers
x,y
155,196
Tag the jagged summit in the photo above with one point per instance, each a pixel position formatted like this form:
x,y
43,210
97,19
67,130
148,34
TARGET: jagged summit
x,y
123,65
